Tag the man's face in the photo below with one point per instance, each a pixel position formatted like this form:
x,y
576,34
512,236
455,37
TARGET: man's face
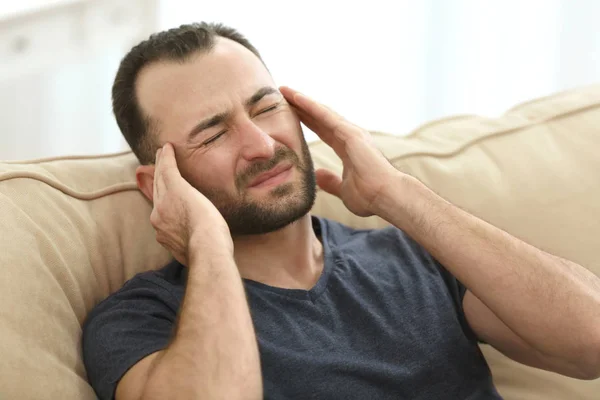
x,y
236,138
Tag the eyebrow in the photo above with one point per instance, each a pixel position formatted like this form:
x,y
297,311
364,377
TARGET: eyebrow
x,y
260,93
221,117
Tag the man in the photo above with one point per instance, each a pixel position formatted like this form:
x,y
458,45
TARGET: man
x,y
264,300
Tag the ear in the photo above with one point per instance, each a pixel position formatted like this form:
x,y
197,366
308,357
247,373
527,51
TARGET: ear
x,y
144,176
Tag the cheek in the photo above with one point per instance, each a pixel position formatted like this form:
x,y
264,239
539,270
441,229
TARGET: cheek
x,y
210,174
282,126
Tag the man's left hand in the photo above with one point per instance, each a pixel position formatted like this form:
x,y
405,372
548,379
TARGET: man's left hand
x,y
366,171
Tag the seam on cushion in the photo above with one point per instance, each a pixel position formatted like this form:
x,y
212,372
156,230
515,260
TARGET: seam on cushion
x,y
320,143
438,121
491,135
119,187
510,111
384,134
72,157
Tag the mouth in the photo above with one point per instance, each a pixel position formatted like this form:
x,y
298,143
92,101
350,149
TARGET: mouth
x,y
274,176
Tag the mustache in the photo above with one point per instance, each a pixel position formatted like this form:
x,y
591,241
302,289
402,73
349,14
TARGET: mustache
x,y
281,154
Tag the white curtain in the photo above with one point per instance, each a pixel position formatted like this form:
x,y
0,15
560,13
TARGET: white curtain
x,y
385,65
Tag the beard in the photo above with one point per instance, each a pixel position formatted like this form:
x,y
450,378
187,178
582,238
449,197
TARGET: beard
x,y
285,204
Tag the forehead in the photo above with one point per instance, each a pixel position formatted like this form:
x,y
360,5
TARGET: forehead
x,y
172,92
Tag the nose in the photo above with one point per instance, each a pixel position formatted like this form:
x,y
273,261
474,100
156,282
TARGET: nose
x,y
255,143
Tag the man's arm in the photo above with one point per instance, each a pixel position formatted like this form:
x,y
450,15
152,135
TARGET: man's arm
x,y
522,299
489,328
213,354
529,299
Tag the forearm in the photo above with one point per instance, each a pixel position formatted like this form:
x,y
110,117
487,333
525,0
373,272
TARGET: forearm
x,y
214,353
551,303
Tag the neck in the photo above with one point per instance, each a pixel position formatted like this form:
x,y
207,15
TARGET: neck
x,y
291,257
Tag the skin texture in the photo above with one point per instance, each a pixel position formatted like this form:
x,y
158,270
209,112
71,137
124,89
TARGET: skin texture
x,y
197,184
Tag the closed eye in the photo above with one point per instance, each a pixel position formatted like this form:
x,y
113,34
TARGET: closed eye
x,y
268,109
212,139
218,135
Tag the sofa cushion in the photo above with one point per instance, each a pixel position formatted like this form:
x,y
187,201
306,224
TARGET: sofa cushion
x,y
74,229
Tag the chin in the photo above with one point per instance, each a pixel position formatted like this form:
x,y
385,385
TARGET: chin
x,y
282,206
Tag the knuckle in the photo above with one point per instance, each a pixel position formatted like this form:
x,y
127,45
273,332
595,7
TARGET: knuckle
x,y
341,129
155,218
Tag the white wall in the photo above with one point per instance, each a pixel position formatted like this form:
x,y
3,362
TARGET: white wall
x,y
57,63
385,65
365,59
392,65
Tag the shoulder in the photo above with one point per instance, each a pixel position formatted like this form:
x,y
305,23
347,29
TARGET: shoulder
x,y
387,238
170,276
130,324
383,248
337,233
158,288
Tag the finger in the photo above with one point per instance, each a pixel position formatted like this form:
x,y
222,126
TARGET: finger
x,y
329,181
155,190
307,120
168,159
287,92
167,168
337,145
328,119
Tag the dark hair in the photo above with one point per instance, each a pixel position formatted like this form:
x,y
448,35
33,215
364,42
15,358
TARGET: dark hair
x,y
176,44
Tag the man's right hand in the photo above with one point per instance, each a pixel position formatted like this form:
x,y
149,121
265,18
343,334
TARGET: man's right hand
x,y
181,214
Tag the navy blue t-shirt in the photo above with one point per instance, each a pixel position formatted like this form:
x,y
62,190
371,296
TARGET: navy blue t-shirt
x,y
384,321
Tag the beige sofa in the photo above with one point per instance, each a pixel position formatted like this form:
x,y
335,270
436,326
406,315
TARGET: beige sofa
x,y
74,229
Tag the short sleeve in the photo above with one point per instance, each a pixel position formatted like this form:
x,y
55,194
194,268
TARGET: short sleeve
x,y
457,291
129,325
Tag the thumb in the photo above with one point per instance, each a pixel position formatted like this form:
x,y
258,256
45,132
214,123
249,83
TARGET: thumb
x,y
329,182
